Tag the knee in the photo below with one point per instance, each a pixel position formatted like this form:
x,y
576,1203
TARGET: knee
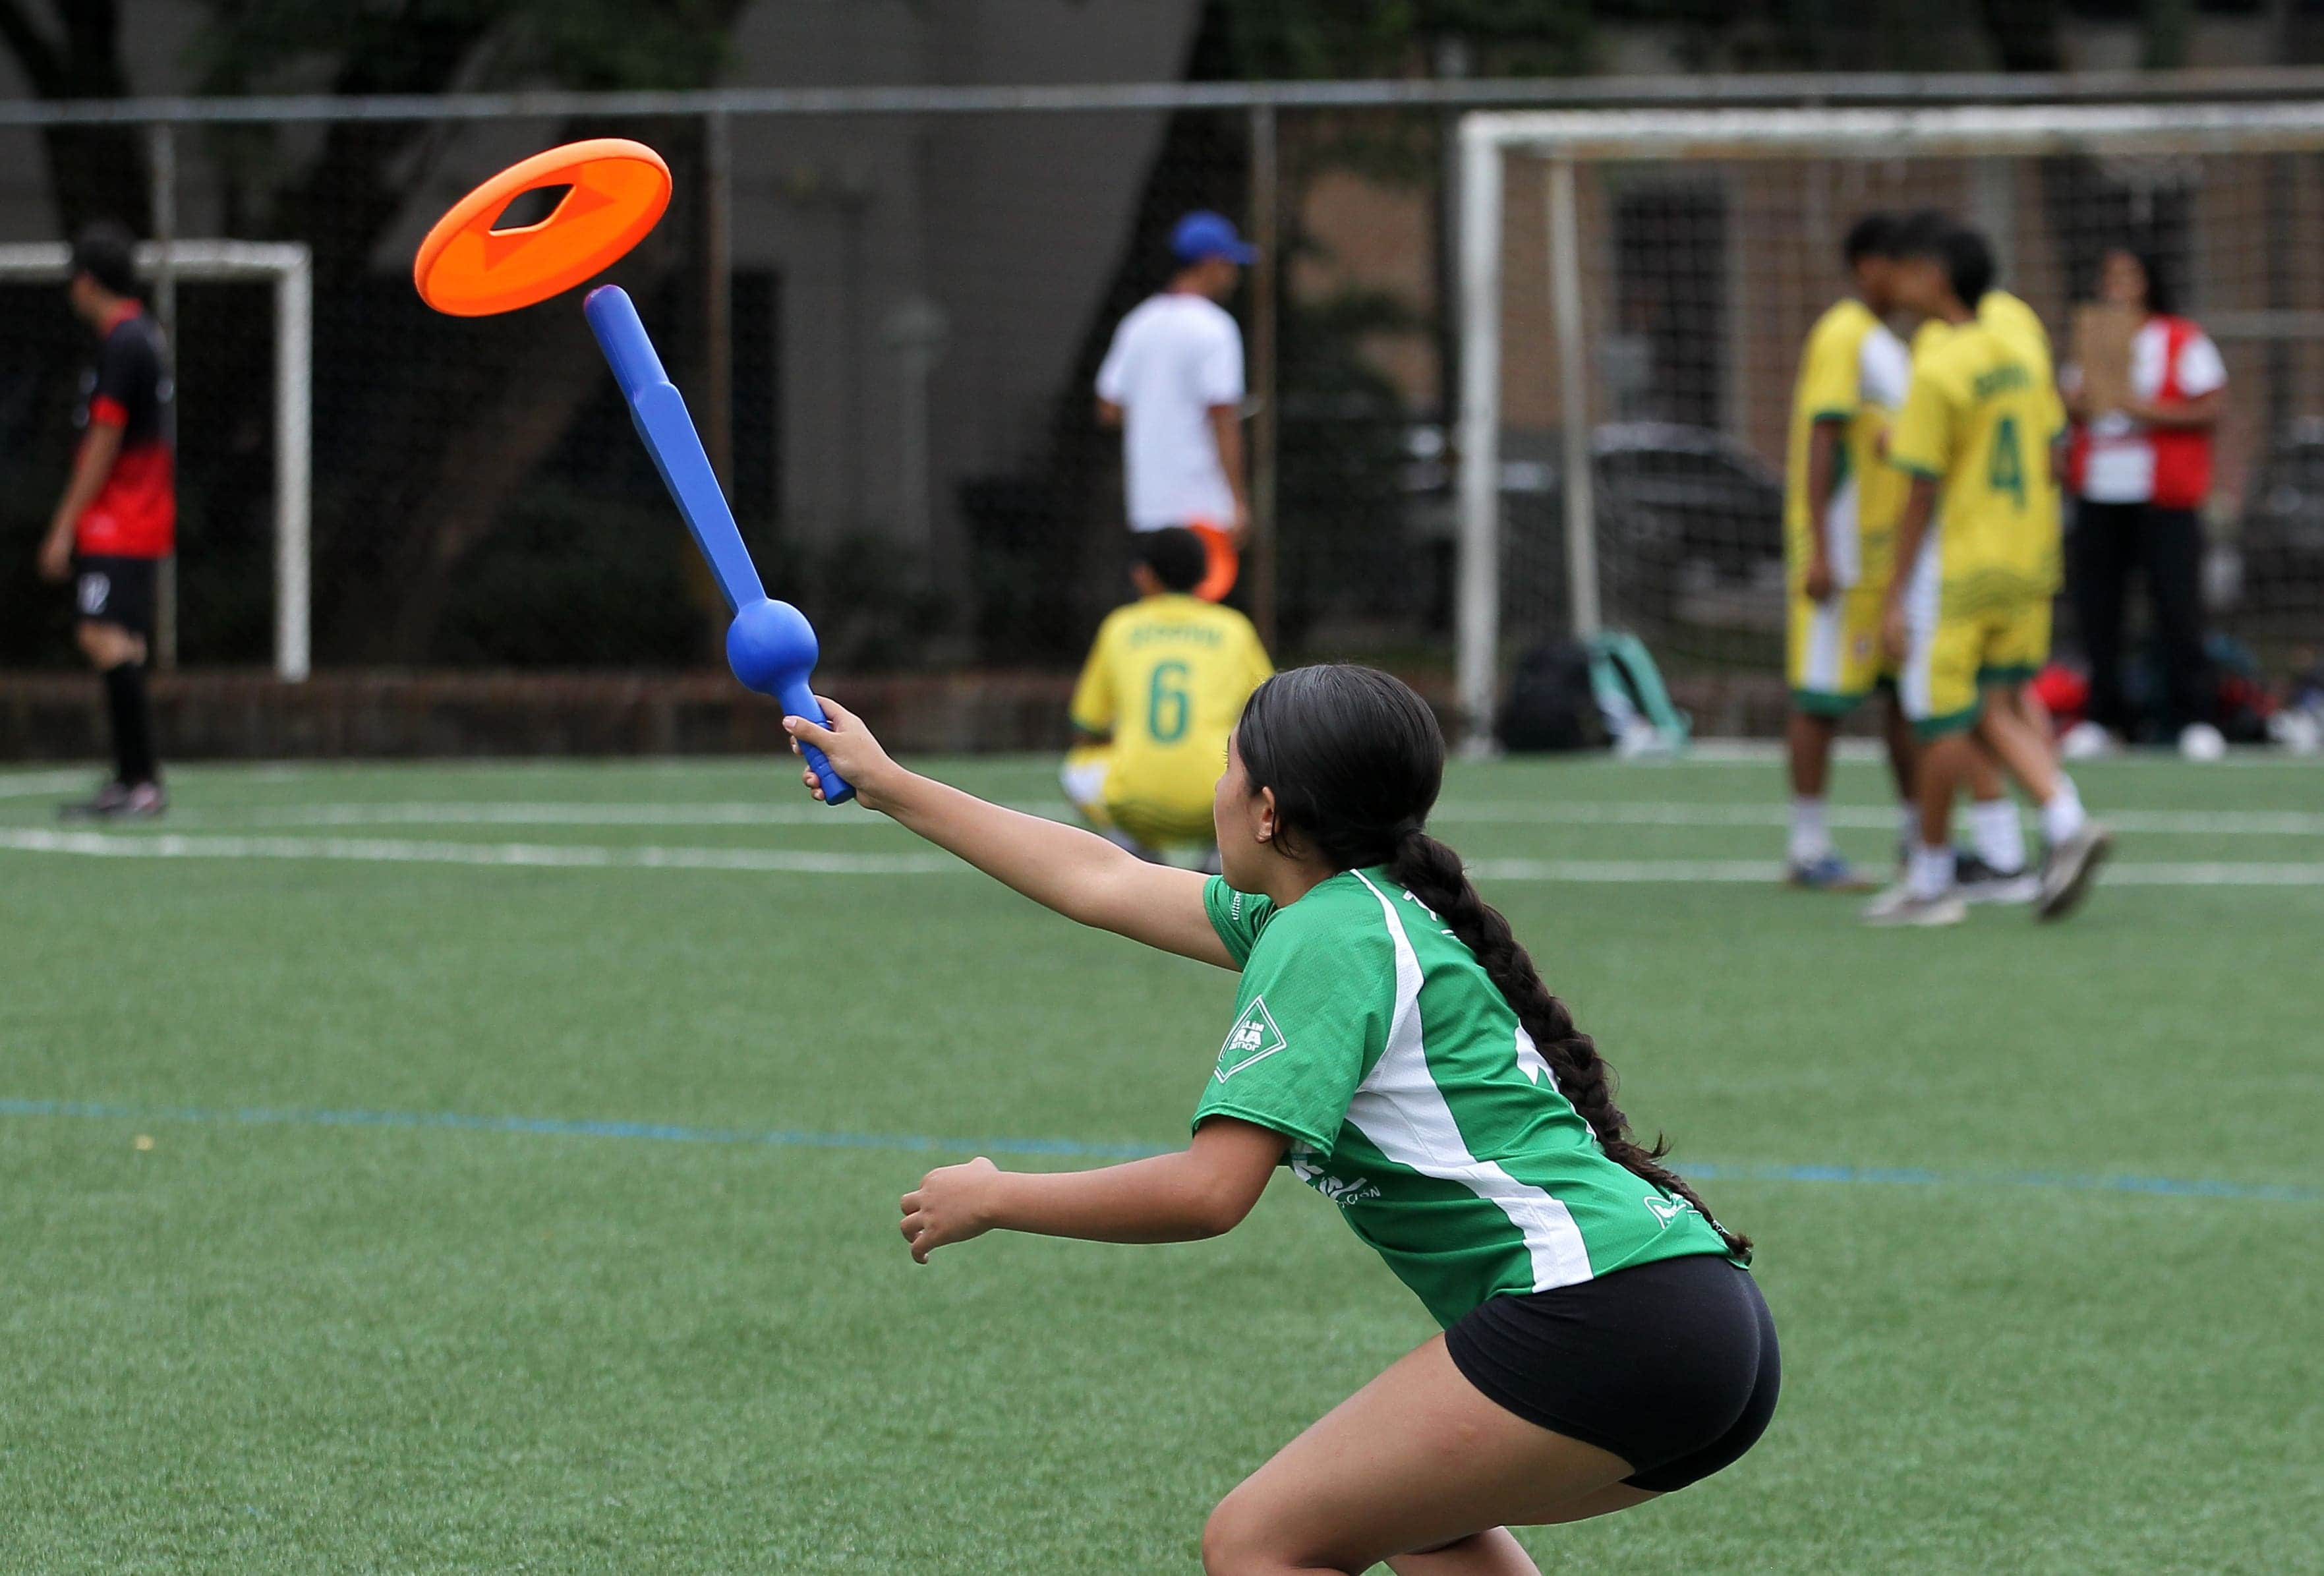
x,y
108,646
1234,1541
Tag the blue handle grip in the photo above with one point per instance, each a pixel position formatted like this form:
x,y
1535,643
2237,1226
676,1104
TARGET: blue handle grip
x,y
798,701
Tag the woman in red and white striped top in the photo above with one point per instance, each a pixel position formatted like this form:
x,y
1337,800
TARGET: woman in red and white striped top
x,y
2140,474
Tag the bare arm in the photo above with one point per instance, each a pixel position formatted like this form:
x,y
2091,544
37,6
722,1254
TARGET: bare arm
x,y
1823,464
91,464
1203,1190
1108,414
1912,528
1226,428
1077,873
2203,411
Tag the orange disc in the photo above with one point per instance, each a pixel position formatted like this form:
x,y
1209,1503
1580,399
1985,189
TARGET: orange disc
x,y
469,269
1220,562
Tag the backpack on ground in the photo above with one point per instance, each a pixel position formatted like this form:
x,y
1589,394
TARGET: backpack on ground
x,y
1552,704
1632,697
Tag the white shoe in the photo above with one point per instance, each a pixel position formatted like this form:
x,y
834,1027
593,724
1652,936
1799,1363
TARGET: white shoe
x,y
2068,868
1897,906
2201,742
2087,742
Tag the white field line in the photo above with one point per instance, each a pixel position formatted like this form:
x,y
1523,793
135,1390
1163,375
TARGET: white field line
x,y
394,851
585,856
1761,751
1703,872
422,813
510,813
33,785
1875,817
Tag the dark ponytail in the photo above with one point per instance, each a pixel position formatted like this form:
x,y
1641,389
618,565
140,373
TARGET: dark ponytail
x,y
1355,759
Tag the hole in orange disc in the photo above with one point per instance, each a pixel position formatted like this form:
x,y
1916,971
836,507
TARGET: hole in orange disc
x,y
528,209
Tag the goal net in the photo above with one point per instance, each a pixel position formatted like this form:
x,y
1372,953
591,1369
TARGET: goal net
x,y
1636,289
39,348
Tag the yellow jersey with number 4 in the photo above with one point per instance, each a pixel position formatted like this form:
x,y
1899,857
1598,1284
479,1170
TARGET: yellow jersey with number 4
x,y
2019,324
1167,678
1977,419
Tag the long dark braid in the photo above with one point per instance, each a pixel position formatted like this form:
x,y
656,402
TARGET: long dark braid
x,y
1355,759
1433,873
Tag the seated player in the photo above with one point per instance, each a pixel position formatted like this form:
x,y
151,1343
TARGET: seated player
x,y
1969,554
1165,681
1839,504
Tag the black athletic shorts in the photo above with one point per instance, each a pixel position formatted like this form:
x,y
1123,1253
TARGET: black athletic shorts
x,y
116,591
1671,1365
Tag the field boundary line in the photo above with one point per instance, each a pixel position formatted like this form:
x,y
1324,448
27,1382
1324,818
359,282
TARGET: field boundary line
x,y
922,1143
1490,811
36,784
793,862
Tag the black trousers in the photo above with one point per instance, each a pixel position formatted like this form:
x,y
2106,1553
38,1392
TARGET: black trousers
x,y
2111,542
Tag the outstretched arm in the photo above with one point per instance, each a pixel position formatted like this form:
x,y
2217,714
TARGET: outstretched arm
x,y
1203,1190
1079,874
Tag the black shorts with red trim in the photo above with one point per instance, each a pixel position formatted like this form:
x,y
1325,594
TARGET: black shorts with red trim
x,y
109,590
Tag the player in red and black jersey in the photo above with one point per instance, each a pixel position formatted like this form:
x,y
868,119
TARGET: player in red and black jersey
x,y
118,517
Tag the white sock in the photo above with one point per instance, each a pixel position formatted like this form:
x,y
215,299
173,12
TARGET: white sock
x,y
1908,823
1810,838
2063,815
1929,872
2000,839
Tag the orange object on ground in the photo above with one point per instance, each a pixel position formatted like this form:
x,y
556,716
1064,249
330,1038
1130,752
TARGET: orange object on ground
x,y
1224,562
468,269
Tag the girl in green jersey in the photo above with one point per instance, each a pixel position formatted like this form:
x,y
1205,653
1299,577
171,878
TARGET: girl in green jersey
x,y
1393,1044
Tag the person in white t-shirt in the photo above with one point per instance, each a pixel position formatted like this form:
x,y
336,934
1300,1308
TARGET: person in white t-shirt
x,y
2141,475
1172,380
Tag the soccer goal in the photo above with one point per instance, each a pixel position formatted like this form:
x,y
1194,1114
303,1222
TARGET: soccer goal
x,y
1635,287
286,266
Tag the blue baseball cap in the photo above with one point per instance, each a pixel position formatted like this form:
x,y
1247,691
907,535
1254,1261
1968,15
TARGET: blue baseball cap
x,y
1202,235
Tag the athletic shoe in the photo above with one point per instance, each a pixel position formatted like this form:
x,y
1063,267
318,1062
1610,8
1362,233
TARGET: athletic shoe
x,y
1897,906
2087,742
145,802
2201,742
2067,871
1979,882
119,801
1828,872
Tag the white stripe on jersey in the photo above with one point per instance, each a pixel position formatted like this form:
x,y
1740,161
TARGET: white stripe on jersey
x,y
1400,1109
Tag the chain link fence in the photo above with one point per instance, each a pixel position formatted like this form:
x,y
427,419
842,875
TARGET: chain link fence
x,y
888,318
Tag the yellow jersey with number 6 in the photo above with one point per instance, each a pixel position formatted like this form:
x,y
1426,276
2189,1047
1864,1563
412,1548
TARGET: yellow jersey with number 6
x,y
1978,420
1167,679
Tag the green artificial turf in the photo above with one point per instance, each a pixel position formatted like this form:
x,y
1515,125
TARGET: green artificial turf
x,y
264,1310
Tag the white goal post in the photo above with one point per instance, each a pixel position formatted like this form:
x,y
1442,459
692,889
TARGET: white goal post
x,y
1570,143
286,265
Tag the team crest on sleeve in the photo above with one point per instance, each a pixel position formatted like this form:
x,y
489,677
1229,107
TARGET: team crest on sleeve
x,y
1253,1039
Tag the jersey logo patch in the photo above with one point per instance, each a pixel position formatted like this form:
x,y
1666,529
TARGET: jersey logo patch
x,y
1667,1210
1338,1189
1253,1039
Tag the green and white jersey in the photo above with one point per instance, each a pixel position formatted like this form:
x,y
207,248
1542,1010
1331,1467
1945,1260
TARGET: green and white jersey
x,y
1370,1034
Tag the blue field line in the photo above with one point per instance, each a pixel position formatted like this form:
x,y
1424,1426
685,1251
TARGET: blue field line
x,y
1077,1148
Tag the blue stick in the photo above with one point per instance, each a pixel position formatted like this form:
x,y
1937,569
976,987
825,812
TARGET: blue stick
x,y
769,645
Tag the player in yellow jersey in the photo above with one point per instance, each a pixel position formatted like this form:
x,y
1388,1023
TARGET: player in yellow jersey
x,y
1994,869
1974,437
1840,506
1165,682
